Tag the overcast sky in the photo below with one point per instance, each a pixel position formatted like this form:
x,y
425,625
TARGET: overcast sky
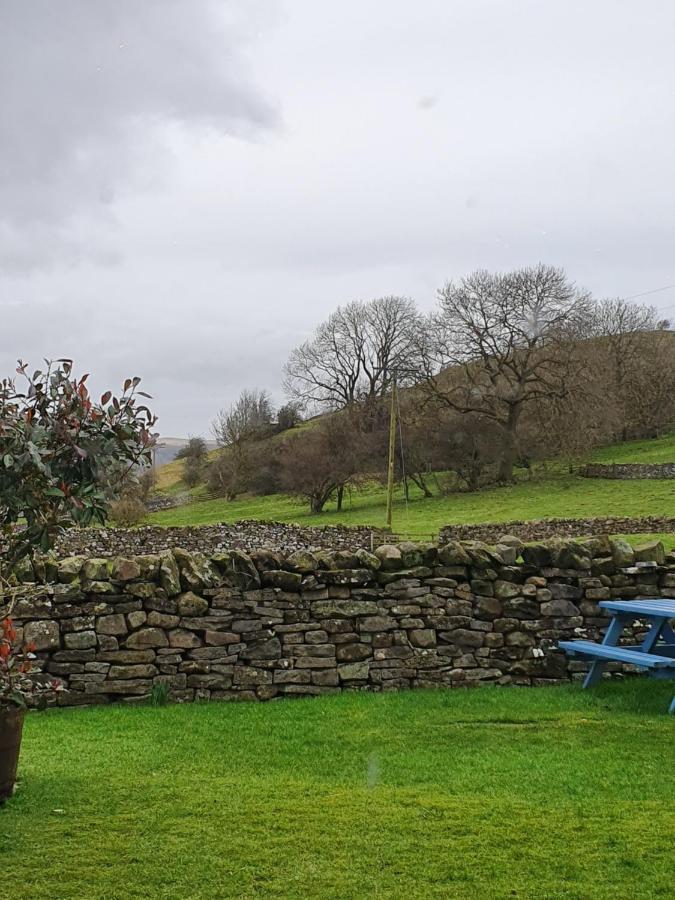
x,y
187,187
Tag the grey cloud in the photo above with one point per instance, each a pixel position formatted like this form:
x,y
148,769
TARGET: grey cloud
x,y
88,91
194,241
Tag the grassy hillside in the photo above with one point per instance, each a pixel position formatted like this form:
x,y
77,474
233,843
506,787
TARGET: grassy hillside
x,y
551,492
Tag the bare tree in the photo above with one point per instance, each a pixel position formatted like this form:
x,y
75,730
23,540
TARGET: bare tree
x,y
356,353
235,428
321,461
194,449
502,341
621,327
247,418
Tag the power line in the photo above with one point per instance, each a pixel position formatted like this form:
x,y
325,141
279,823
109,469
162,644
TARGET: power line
x,y
666,287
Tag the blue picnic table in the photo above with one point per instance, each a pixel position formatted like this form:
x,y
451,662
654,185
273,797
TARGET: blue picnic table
x,y
656,653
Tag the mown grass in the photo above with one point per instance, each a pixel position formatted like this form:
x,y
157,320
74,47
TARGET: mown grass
x,y
549,792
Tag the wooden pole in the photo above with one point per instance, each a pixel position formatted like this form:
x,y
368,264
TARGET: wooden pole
x,y
392,450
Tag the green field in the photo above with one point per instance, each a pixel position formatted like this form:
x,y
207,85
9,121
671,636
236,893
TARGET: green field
x,y
486,793
549,492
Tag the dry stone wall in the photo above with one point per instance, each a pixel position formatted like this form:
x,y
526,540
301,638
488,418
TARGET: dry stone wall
x,y
243,535
266,624
628,470
545,529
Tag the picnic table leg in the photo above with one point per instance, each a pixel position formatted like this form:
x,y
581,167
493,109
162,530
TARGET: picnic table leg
x,y
652,635
610,639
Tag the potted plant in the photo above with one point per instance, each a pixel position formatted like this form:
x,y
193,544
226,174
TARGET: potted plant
x,y
16,690
63,458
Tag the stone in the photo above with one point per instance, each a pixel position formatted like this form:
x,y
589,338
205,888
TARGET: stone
x,y
265,559
95,570
325,650
572,555
453,554
270,649
325,676
136,618
519,639
194,567
559,607
562,591
488,607
353,652
158,619
124,569
239,570
190,604
355,671
69,569
538,555
133,671
368,560
390,557
302,561
466,638
623,554
285,581
149,565
344,559
651,551
422,637
511,540
343,608
377,623
147,637
169,576
44,635
505,590
142,590
185,640
220,638
508,553
80,640
100,587
124,657
114,624
292,676
316,637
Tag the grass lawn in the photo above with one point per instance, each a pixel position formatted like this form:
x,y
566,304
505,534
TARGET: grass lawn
x,y
489,793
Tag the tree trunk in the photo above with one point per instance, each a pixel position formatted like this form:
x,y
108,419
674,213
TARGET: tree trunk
x,y
340,495
418,478
509,452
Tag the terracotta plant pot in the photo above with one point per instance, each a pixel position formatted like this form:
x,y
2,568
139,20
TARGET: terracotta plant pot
x,y
11,727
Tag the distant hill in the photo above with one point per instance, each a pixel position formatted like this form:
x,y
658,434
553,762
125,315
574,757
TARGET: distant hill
x,y
167,447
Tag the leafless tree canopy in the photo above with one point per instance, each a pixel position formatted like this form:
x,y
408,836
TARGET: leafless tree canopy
x,y
251,413
511,368
356,353
502,341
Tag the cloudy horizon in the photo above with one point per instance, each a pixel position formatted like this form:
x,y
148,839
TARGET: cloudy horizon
x,y
187,190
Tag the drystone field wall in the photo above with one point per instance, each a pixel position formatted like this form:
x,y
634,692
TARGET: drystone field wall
x,y
628,470
546,529
264,625
244,535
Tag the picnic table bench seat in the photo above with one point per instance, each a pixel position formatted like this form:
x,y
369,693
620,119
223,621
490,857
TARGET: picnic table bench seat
x,y
632,655
656,653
